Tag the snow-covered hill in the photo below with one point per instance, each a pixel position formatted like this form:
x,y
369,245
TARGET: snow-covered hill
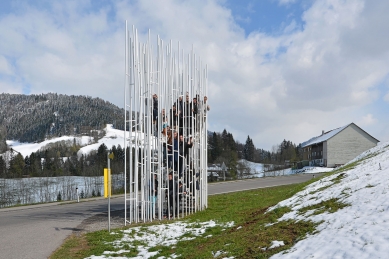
x,y
112,137
359,230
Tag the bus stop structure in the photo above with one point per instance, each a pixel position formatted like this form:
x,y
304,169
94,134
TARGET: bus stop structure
x,y
165,130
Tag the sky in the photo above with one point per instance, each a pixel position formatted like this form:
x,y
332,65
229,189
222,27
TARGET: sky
x,y
277,69
358,230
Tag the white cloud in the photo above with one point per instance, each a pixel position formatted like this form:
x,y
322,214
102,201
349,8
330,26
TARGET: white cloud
x,y
11,87
367,120
5,67
270,87
286,2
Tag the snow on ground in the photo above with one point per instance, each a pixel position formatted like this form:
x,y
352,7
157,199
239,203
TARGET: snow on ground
x,y
164,234
310,170
112,137
255,167
359,230
27,148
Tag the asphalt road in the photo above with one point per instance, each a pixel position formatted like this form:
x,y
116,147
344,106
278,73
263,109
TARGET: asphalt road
x,y
242,185
36,231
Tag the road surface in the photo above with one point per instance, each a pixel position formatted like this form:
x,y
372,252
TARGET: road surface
x,y
36,231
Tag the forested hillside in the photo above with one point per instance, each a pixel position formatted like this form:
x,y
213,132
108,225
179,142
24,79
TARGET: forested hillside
x,y
32,118
222,148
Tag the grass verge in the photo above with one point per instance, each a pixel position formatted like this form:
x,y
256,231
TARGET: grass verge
x,y
250,237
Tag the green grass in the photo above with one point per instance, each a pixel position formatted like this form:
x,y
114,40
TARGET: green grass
x,y
253,229
330,206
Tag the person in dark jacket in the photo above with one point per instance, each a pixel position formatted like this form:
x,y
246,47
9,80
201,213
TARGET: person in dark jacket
x,y
174,117
183,153
195,111
155,108
179,104
171,191
188,115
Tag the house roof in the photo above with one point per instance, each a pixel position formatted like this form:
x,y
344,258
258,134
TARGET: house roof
x,y
327,135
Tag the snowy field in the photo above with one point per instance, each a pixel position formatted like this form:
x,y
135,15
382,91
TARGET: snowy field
x,y
46,189
257,170
359,230
112,137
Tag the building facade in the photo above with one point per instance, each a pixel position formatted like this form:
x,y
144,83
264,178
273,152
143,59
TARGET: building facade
x,y
337,147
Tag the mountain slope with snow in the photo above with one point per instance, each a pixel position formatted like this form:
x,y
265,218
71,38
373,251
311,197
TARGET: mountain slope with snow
x,y
111,137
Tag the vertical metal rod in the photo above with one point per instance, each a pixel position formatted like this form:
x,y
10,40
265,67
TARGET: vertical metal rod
x,y
109,193
126,72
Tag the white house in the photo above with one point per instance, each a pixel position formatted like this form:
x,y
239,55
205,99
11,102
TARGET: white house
x,y
338,146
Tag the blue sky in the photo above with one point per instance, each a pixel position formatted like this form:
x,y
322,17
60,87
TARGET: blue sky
x,y
265,16
287,69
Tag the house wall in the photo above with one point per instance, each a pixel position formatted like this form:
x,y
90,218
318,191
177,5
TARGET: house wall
x,y
348,144
306,152
317,151
325,157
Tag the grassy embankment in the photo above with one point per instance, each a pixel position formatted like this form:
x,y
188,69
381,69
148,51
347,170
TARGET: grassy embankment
x,y
248,238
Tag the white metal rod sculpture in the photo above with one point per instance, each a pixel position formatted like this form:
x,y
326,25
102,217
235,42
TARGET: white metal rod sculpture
x,y
166,131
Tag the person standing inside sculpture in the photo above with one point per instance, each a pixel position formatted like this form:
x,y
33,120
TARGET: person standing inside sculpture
x,y
183,153
195,111
180,113
155,114
188,115
155,108
153,194
175,151
172,189
205,107
164,139
174,117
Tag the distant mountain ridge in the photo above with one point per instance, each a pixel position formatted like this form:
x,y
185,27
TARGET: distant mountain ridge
x,y
33,118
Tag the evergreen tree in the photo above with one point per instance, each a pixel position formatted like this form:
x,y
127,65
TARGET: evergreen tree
x,y
215,147
120,153
3,169
16,166
249,148
80,166
102,156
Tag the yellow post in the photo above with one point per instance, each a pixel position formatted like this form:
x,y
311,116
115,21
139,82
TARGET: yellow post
x,y
107,183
